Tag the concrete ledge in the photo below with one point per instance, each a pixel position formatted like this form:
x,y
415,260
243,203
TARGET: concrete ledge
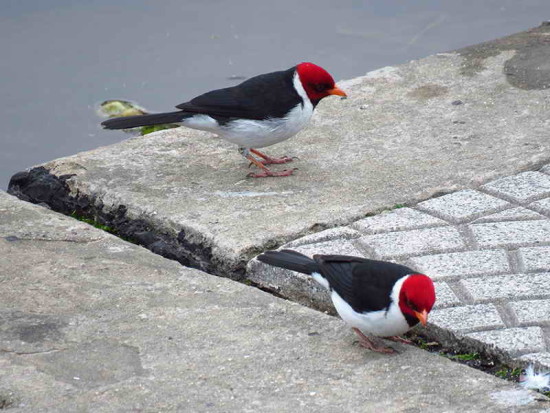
x,y
90,322
445,122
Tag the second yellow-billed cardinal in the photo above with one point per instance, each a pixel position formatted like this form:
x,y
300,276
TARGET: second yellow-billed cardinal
x,y
376,297
259,112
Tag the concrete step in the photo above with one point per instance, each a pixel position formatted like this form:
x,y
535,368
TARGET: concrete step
x,y
449,121
92,323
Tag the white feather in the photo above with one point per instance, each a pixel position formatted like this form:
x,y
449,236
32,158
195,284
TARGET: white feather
x,y
383,323
534,380
320,279
249,133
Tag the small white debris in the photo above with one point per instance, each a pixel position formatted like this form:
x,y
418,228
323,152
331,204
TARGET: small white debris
x,y
535,380
76,378
117,249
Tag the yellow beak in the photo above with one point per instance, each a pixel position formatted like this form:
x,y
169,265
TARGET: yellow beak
x,y
336,91
422,317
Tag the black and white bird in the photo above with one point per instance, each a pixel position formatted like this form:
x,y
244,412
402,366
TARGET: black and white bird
x,y
376,297
261,111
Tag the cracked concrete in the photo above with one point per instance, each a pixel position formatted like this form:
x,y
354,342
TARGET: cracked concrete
x,y
109,326
405,134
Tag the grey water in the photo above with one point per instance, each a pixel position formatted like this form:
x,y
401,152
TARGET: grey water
x,y
60,58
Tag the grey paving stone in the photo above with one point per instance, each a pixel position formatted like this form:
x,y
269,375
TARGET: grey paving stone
x,y
468,263
397,220
445,296
532,311
341,247
511,234
542,206
512,214
467,318
414,242
343,233
462,206
514,340
546,169
522,187
508,286
535,258
538,358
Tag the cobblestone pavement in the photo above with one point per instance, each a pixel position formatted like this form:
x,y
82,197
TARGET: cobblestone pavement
x,y
488,251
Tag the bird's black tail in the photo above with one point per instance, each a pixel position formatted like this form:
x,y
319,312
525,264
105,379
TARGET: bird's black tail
x,y
127,122
291,260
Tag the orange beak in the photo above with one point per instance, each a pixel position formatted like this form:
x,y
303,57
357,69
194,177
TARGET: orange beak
x,y
422,317
336,91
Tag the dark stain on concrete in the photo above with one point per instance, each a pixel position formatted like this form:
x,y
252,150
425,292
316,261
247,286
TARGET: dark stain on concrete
x,y
528,69
29,328
36,333
91,364
428,91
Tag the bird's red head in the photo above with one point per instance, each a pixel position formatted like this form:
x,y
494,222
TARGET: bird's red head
x,y
317,82
417,297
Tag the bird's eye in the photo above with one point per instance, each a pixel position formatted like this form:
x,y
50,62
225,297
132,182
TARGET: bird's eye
x,y
321,87
410,305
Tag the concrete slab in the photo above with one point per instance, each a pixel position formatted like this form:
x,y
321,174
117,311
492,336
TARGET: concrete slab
x,y
448,121
97,324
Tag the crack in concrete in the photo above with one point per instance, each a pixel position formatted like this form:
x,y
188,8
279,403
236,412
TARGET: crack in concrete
x,y
55,240
28,353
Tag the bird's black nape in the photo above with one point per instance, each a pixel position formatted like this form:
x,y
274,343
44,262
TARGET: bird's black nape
x,y
290,260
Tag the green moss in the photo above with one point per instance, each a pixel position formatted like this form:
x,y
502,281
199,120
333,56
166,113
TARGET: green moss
x,y
397,206
465,357
94,223
144,130
423,343
508,373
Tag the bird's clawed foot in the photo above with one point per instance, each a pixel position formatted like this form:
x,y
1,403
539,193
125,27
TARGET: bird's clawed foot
x,y
274,161
398,339
268,160
267,173
368,343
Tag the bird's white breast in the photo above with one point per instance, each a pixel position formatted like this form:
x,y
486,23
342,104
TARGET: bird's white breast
x,y
383,323
250,133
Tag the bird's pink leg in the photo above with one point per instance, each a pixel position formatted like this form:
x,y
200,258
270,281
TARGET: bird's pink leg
x,y
268,160
398,339
265,172
368,343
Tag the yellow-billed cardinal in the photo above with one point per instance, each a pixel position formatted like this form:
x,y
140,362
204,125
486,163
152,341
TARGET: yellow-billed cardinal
x,y
259,112
380,298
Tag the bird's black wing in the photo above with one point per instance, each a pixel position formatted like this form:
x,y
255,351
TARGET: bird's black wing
x,y
260,97
365,284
